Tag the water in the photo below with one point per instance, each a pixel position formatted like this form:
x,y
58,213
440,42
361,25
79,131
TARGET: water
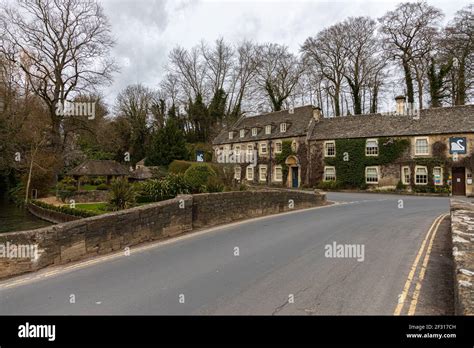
x,y
13,218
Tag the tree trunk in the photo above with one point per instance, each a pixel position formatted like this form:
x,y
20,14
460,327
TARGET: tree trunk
x,y
408,82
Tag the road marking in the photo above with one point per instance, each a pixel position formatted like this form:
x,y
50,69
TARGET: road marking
x,y
411,275
416,294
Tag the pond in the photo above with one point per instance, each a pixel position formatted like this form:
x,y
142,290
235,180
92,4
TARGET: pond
x,y
14,218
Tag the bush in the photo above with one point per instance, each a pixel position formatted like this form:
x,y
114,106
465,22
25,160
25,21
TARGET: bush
x,y
102,187
198,175
99,180
122,194
65,209
84,180
328,185
159,190
400,186
178,166
214,185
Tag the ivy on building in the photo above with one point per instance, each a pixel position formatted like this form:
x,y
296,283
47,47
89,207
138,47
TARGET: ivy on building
x,y
351,160
280,158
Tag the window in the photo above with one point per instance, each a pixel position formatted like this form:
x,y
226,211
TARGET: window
x,y
421,146
263,148
268,129
406,175
242,133
231,135
372,175
372,147
282,127
294,146
250,154
254,132
278,147
237,172
329,174
249,149
421,175
330,148
249,173
438,176
278,173
237,153
262,172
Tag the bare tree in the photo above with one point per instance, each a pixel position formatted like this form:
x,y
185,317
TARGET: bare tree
x,y
61,46
278,73
407,33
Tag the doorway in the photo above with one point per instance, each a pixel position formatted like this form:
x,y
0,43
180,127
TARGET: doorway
x,y
294,177
459,181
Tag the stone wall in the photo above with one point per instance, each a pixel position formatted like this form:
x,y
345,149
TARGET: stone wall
x,y
90,196
462,228
98,235
50,215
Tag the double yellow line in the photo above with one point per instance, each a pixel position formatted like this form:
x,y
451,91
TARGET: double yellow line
x,y
408,284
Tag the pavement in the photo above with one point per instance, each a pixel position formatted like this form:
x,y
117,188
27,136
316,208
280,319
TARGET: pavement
x,y
273,265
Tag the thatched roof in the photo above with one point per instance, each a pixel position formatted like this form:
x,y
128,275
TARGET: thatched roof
x,y
99,168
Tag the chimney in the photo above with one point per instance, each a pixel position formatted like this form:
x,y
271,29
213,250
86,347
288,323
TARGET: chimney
x,y
317,113
400,101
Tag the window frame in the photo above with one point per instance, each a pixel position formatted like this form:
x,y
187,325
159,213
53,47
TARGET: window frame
x,y
377,147
325,174
254,131
403,177
260,167
231,135
283,127
427,175
242,133
268,129
260,148
427,146
278,142
251,171
327,142
275,173
378,175
441,173
239,170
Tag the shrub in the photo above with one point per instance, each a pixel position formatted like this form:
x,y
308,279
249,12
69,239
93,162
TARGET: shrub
x,y
159,190
198,175
214,185
102,187
65,209
99,180
400,186
84,180
122,194
178,166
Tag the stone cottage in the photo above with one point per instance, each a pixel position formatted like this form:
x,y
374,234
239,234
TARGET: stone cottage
x,y
426,151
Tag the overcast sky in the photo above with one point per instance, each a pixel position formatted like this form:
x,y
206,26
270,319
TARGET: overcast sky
x,y
146,30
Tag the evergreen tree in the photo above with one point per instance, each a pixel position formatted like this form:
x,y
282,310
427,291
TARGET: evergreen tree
x,y
167,145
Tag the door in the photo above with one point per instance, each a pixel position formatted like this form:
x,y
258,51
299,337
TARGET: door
x,y
294,176
459,184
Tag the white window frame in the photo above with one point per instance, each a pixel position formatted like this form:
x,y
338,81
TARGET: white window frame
x,y
254,132
276,146
231,135
441,175
242,133
333,142
325,173
403,177
268,129
260,172
294,146
282,127
427,175
260,147
367,148
249,170
237,152
281,173
237,172
427,146
378,175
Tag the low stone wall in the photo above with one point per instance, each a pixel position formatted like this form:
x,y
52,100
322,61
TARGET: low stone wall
x,y
50,215
211,209
98,235
462,227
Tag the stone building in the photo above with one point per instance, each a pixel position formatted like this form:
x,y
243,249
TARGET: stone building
x,y
426,151
270,148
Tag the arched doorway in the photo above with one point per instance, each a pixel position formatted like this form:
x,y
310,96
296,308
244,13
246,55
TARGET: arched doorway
x,y
294,172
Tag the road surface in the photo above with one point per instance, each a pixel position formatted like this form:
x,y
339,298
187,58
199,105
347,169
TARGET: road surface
x,y
270,265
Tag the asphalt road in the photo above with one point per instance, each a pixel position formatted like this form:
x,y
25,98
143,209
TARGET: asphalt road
x,y
279,258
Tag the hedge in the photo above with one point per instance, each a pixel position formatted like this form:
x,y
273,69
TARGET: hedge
x,y
65,209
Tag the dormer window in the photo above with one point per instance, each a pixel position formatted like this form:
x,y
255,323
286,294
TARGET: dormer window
x,y
231,135
254,132
242,133
282,127
268,129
